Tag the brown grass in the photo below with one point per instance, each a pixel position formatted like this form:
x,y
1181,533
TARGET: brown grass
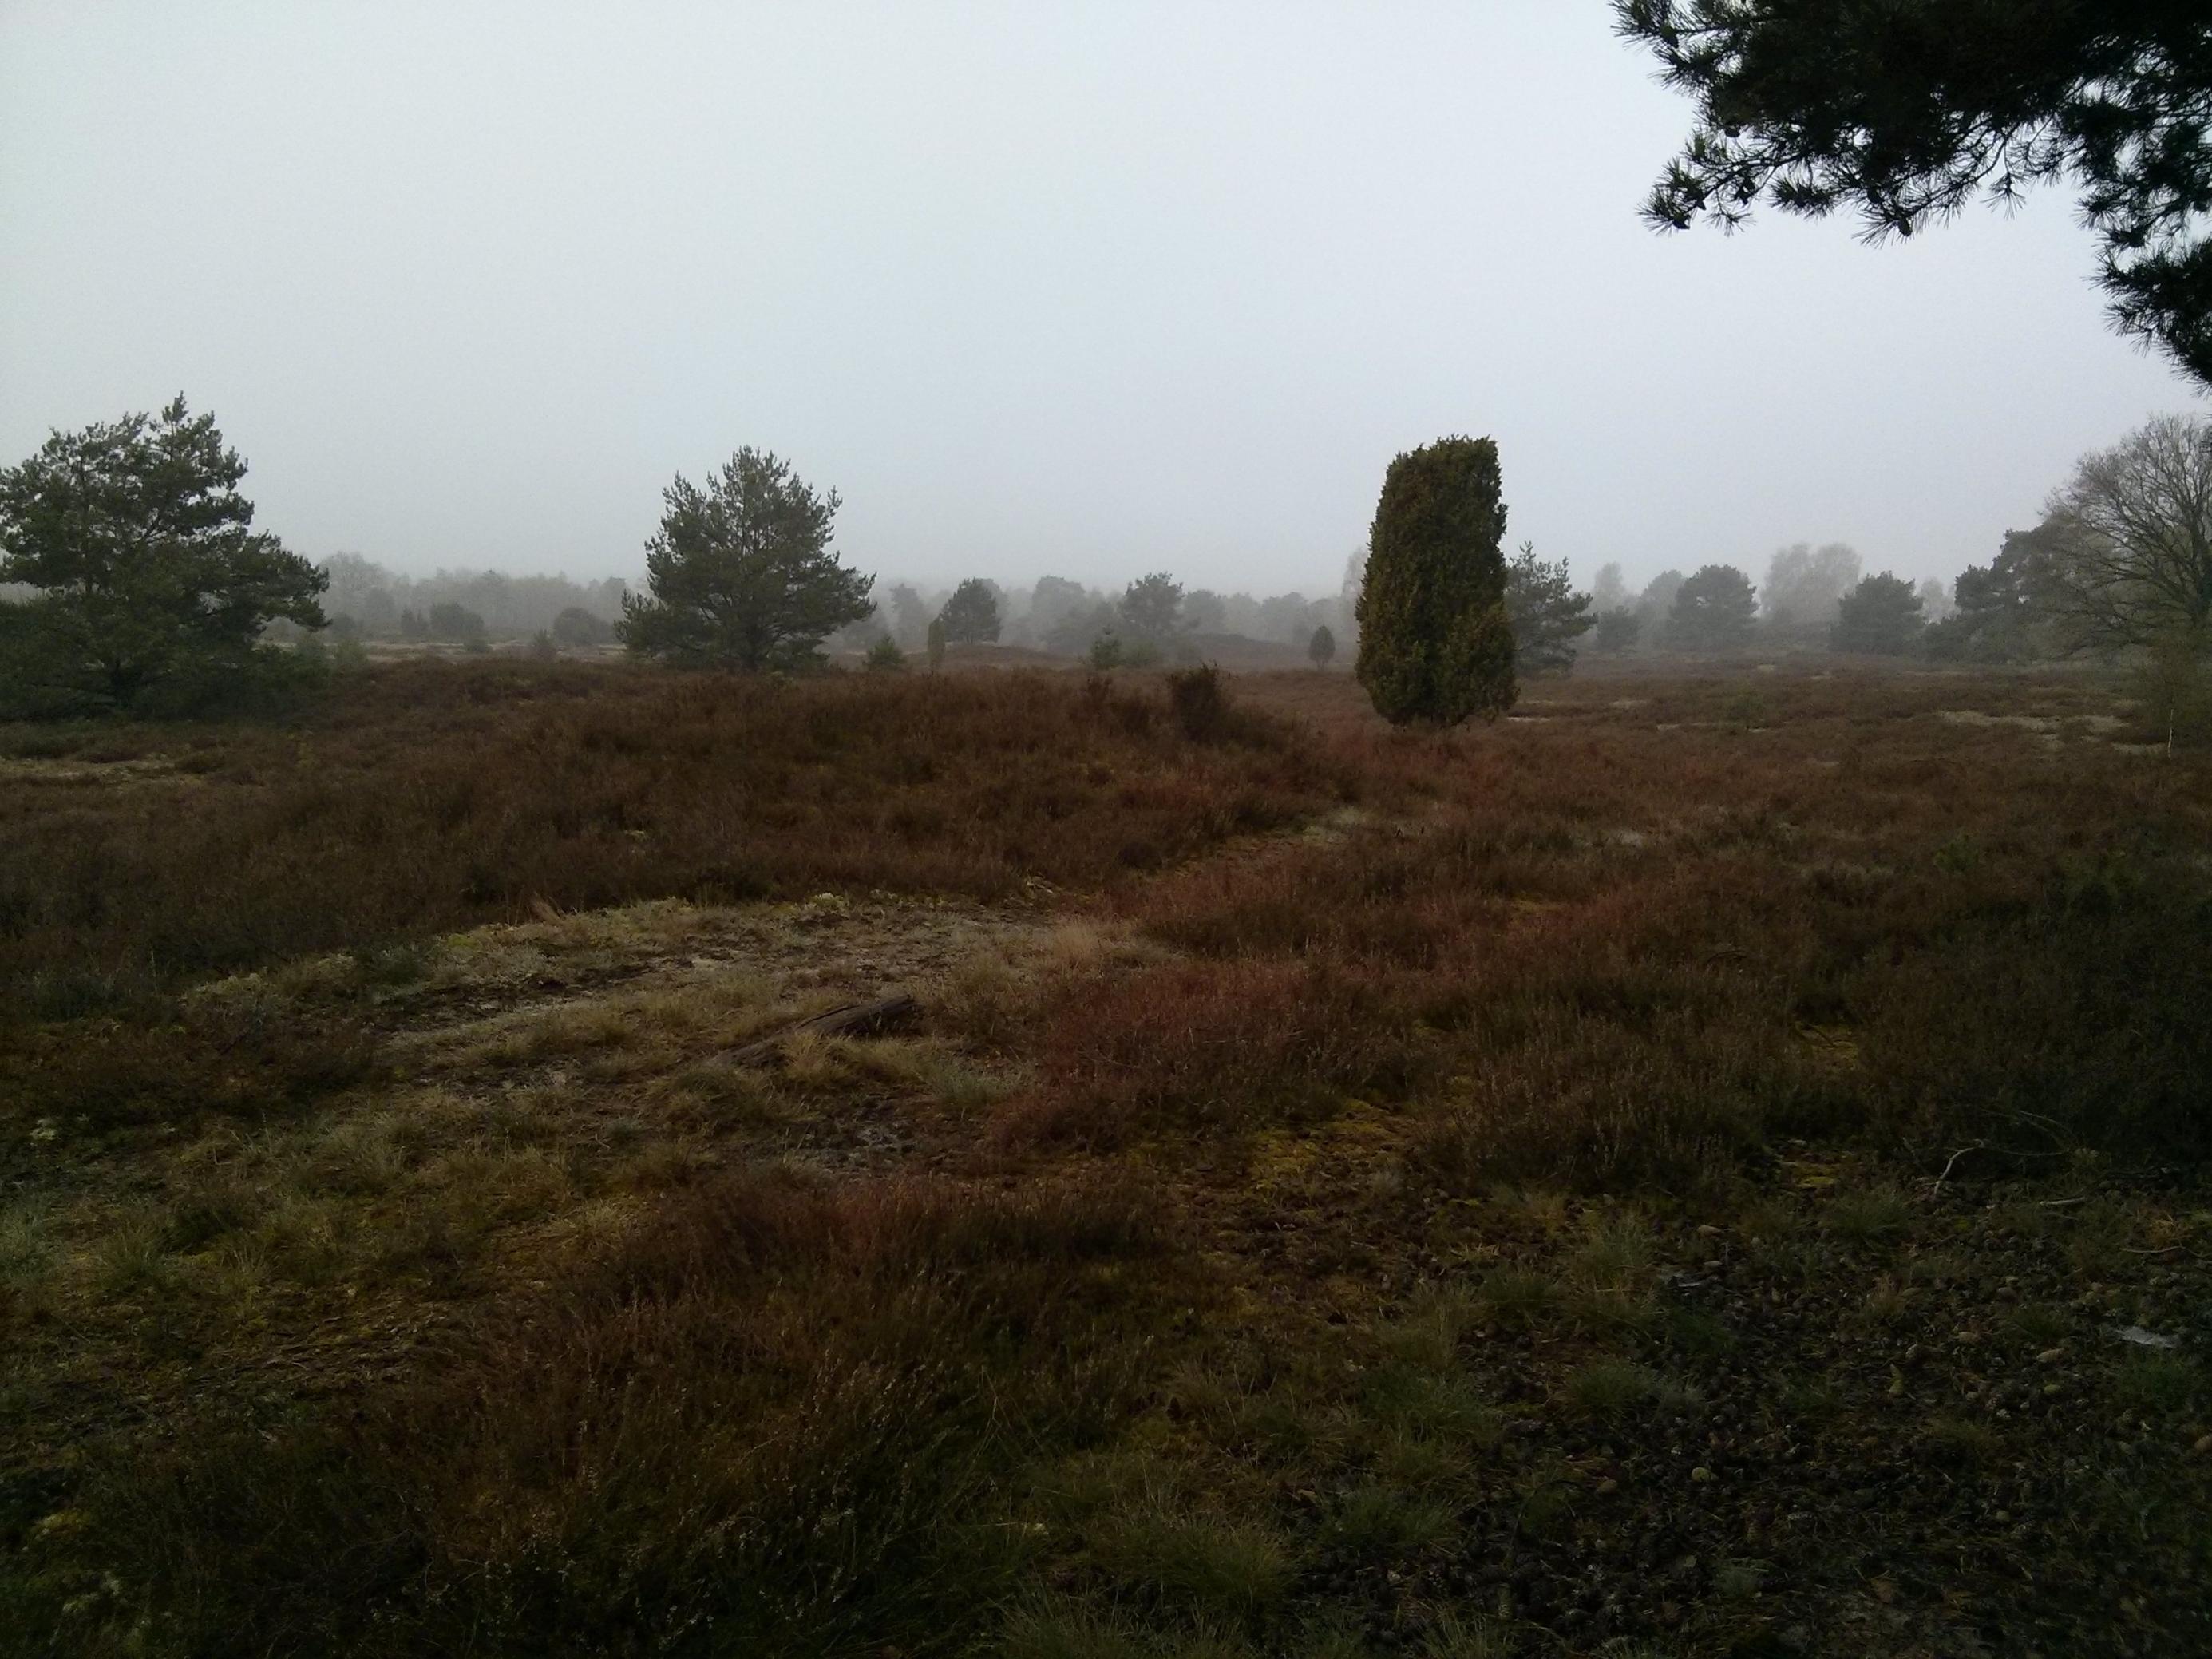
x,y
1346,1190
432,796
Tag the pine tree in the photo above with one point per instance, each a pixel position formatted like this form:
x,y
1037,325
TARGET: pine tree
x,y
1435,643
1321,649
740,574
150,569
1880,617
971,615
1546,613
936,643
1907,110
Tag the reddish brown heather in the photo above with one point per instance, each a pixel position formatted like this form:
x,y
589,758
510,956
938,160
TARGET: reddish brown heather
x,y
434,796
1665,1168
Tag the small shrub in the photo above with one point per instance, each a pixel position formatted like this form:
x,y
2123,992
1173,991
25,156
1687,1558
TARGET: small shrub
x,y
1377,1522
1200,698
1611,1389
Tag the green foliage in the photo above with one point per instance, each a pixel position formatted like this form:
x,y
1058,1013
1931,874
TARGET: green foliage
x,y
1106,652
1907,112
1546,613
1435,641
884,657
971,615
1151,608
1617,630
152,577
1880,617
1712,611
935,643
740,574
1321,649
1995,620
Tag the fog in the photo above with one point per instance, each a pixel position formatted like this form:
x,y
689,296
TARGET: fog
x,y
1083,290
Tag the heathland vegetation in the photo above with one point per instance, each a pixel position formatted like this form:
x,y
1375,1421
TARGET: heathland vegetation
x,y
691,1150
1704,1165
548,1118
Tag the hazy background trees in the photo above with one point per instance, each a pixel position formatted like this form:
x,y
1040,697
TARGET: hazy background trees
x,y
368,601
971,615
1712,611
1805,586
1656,602
1880,617
1151,607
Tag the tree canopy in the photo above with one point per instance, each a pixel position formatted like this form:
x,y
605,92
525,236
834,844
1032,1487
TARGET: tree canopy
x,y
740,574
1907,112
1152,607
149,566
1435,642
1880,617
1546,614
1993,618
2124,555
1713,610
971,615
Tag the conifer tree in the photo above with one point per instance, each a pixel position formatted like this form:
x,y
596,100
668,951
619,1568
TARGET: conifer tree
x,y
971,615
151,570
1546,613
740,574
1881,617
1435,643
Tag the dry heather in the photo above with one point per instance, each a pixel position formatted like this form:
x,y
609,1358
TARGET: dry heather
x,y
1706,1165
439,795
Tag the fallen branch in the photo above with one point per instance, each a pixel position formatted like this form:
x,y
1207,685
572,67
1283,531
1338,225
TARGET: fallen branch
x,y
854,1019
1952,1165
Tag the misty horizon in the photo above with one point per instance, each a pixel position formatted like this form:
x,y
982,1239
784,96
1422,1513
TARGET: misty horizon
x,y
1088,293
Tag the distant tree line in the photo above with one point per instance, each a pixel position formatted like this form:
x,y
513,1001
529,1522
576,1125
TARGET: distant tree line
x,y
131,578
1155,617
365,600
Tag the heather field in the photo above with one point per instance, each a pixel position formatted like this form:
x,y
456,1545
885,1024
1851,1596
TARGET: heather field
x,y
1708,1163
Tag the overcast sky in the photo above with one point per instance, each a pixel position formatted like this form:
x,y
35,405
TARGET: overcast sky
x,y
1089,290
